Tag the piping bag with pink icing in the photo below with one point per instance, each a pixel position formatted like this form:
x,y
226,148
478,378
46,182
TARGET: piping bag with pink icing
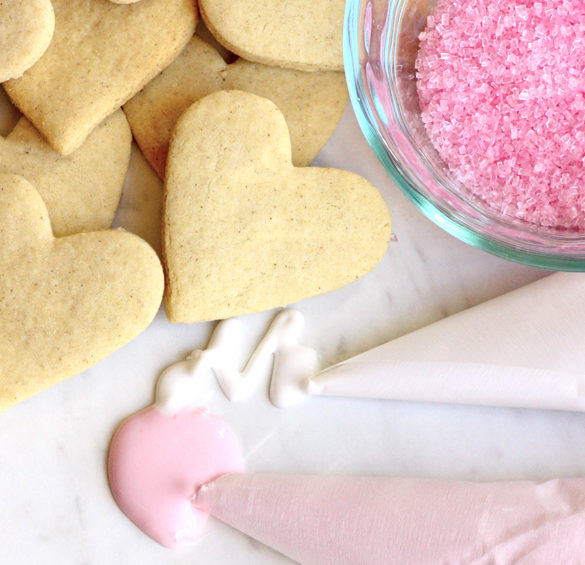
x,y
324,520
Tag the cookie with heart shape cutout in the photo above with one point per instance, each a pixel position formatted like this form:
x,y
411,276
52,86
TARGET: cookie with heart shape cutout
x,y
65,303
81,190
243,229
304,34
312,103
26,29
100,56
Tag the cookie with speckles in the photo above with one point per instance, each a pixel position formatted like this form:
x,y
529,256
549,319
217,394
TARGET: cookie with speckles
x,y
81,190
100,56
67,302
312,103
243,229
304,34
26,29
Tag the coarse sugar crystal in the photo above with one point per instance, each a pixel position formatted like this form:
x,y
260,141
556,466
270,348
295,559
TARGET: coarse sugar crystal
x,y
501,86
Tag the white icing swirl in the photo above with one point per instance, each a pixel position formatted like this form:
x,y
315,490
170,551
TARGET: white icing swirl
x,y
182,385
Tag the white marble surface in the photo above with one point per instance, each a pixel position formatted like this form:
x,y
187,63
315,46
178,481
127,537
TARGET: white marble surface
x,y
56,506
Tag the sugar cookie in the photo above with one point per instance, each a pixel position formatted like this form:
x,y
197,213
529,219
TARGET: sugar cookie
x,y
100,56
65,303
244,230
312,103
26,29
81,190
304,34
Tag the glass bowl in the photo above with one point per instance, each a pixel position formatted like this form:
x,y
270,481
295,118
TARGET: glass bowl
x,y
380,47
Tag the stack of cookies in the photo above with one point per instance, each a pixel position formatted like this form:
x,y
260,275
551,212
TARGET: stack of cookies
x,y
246,225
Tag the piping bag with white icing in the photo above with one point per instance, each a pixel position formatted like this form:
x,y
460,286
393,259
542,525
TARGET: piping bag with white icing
x,y
523,349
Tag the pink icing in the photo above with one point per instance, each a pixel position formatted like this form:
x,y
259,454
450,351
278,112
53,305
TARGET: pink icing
x,y
502,97
157,461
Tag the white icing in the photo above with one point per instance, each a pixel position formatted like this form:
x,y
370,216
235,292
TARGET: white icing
x,y
183,385
291,376
280,339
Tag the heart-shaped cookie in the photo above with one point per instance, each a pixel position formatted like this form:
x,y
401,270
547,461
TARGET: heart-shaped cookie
x,y
303,34
312,103
82,190
100,56
65,303
243,229
26,29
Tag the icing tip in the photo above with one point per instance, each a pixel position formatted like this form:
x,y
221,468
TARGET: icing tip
x,y
198,499
310,386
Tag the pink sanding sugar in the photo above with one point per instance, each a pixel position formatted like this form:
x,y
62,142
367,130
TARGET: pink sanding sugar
x,y
501,87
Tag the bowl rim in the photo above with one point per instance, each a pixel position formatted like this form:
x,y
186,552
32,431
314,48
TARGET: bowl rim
x,y
506,250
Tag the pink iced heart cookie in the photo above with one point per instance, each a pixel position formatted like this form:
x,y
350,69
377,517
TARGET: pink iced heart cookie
x,y
158,460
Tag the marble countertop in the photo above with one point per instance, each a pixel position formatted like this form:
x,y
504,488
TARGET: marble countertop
x,y
57,508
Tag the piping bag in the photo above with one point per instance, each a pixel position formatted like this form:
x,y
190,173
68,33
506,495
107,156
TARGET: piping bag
x,y
524,349
374,520
169,470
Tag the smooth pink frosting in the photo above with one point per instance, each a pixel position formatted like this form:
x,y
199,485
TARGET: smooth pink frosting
x,y
158,460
